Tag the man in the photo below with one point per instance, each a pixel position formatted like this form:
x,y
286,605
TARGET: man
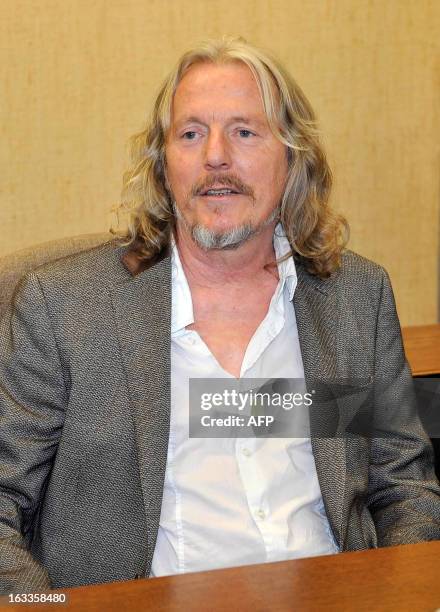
x,y
99,479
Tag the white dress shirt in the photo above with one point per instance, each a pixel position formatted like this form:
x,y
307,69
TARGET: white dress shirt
x,y
232,501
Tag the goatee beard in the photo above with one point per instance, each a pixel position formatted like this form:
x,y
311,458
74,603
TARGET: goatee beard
x,y
230,239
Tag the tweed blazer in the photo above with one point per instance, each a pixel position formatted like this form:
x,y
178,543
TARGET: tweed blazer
x,y
85,409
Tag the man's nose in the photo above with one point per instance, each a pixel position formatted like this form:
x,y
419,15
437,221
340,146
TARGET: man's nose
x,y
217,151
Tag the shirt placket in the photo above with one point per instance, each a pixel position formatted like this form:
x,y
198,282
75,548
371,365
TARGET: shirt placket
x,y
253,484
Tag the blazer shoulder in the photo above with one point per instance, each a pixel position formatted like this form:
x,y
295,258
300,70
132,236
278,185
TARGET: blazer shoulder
x,y
356,275
92,269
356,266
361,280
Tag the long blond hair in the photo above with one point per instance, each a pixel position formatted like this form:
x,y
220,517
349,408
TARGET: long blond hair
x,y
317,235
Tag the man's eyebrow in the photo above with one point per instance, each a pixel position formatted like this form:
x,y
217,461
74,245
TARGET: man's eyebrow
x,y
235,119
246,120
190,119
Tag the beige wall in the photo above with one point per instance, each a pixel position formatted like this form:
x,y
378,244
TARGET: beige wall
x,y
79,75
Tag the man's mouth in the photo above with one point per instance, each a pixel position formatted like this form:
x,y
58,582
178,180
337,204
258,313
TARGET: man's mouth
x,y
220,192
222,187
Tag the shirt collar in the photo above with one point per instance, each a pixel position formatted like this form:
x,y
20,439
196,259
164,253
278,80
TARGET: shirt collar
x,y
182,313
286,269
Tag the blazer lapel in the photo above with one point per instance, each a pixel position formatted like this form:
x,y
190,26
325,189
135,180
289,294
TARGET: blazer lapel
x,y
316,310
142,308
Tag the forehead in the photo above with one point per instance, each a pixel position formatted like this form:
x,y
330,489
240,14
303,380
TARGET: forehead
x,y
218,89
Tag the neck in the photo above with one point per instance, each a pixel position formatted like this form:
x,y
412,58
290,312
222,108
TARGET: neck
x,y
215,267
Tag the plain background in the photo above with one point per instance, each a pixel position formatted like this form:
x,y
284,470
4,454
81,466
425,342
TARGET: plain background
x,y
78,78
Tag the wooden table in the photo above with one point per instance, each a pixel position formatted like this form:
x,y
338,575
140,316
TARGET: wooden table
x,y
422,347
401,578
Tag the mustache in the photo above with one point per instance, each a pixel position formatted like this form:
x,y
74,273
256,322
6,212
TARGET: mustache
x,y
231,181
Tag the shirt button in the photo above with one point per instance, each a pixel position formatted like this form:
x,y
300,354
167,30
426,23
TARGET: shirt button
x,y
261,514
246,452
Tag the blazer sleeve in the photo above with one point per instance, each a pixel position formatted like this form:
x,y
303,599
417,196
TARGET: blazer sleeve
x,y
32,403
403,492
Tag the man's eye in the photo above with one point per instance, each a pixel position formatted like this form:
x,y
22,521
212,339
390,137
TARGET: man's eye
x,y
245,133
189,135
